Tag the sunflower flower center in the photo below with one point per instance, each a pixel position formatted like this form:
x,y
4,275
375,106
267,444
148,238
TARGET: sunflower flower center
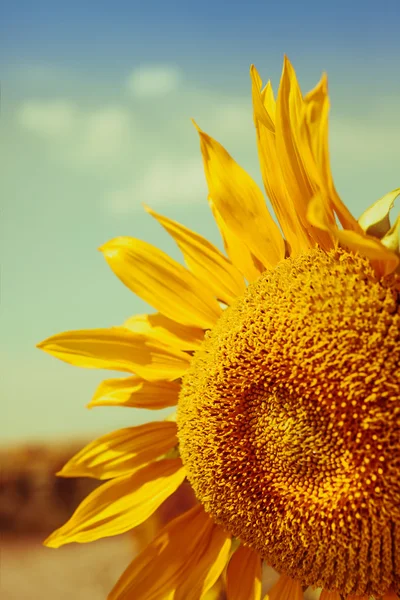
x,y
289,422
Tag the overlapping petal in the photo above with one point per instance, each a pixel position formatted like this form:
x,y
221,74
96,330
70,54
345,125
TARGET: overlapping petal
x,y
136,392
240,202
240,255
166,330
382,259
122,452
375,220
118,349
120,504
294,153
296,233
162,282
209,265
243,575
183,562
391,240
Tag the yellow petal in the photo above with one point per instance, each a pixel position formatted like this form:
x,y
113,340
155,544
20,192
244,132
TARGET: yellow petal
x,y
166,330
238,252
375,220
243,576
327,595
123,451
120,504
383,260
391,240
261,100
136,392
241,203
162,282
211,267
118,349
295,233
208,568
190,544
286,589
294,153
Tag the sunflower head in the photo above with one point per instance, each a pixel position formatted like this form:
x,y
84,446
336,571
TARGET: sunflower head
x,y
283,356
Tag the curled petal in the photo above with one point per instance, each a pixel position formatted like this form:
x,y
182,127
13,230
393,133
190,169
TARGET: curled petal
x,y
382,259
375,220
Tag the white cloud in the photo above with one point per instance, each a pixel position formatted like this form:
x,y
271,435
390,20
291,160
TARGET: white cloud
x,y
363,140
83,136
233,118
105,134
153,81
51,118
164,182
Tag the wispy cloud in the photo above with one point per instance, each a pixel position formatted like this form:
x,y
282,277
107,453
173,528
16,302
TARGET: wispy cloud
x,y
153,81
83,137
49,119
166,181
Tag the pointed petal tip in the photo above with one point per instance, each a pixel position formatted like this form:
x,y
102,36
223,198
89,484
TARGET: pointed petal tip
x,y
196,126
53,540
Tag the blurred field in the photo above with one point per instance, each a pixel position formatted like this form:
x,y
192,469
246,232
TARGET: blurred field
x,y
34,502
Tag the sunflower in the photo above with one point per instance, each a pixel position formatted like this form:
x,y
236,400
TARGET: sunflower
x,y
283,359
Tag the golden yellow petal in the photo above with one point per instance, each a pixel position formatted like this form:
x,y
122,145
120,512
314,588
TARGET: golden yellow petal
x,y
391,240
182,562
295,233
118,349
375,220
314,132
267,95
262,99
162,282
209,265
120,504
382,259
166,330
122,452
238,252
136,392
286,589
294,153
243,576
240,202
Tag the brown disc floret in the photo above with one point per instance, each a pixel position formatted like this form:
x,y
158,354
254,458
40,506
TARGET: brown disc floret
x,y
289,422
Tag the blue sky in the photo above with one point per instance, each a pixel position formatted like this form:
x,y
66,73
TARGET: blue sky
x,y
96,107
